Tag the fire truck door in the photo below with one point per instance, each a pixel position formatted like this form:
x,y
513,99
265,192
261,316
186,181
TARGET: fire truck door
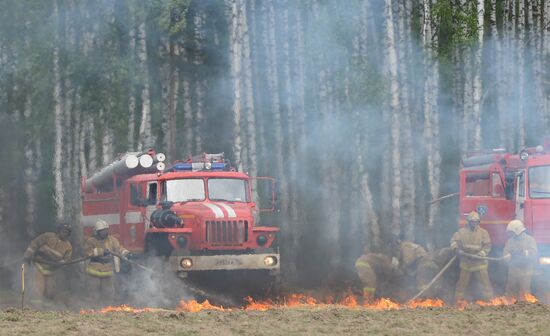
x,y
520,195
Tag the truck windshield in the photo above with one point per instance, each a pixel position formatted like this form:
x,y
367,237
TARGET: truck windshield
x,y
539,182
232,190
185,190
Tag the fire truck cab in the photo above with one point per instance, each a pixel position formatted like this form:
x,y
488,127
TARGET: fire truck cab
x,y
503,186
199,215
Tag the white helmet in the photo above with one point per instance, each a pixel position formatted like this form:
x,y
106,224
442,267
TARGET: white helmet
x,y
516,226
100,225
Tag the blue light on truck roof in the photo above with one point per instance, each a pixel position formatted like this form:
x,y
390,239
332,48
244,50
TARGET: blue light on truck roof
x,y
218,165
182,166
198,166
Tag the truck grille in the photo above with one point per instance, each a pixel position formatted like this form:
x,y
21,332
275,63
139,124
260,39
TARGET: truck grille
x,y
226,232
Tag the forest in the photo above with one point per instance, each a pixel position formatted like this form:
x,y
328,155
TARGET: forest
x,y
361,109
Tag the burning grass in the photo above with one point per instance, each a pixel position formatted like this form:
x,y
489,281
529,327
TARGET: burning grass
x,y
305,301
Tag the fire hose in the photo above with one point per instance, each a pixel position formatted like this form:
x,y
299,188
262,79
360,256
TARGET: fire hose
x,y
60,264
438,275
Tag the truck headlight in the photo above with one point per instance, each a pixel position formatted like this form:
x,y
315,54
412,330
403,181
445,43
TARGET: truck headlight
x,y
270,261
544,260
186,263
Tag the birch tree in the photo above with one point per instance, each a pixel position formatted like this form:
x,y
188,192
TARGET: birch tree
x,y
59,192
145,136
394,108
476,104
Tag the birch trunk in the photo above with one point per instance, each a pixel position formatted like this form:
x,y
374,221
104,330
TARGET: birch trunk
x,y
521,75
30,173
173,99
70,44
476,108
235,52
145,136
106,140
546,56
275,106
394,108
407,168
431,122
131,88
252,163
539,69
259,85
499,74
288,94
165,88
200,85
59,192
92,147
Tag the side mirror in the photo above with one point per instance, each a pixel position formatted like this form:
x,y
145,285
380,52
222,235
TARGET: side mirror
x,y
267,193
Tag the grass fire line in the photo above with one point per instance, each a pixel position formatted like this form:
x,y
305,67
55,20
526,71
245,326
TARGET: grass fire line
x,y
302,301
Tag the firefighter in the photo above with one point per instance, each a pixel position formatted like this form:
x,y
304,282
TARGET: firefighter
x,y
393,273
373,270
406,255
406,258
46,250
520,252
474,240
101,247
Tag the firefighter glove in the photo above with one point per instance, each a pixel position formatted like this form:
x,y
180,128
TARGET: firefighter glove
x,y
129,255
482,254
106,253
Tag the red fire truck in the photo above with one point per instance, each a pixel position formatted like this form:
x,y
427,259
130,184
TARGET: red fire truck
x,y
199,215
502,186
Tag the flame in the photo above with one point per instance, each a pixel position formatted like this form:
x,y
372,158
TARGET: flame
x,y
302,300
193,306
426,303
382,304
259,306
121,308
530,298
349,301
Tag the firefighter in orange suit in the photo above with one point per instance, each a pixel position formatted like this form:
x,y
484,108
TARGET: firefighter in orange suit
x,y
45,250
100,270
521,253
474,240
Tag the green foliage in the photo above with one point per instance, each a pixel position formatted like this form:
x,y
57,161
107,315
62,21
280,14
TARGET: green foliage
x,y
455,26
171,15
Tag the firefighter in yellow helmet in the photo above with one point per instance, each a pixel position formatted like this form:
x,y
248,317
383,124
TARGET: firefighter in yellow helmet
x,y
45,251
100,270
474,240
521,253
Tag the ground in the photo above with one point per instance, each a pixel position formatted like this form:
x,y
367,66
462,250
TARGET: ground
x,y
517,319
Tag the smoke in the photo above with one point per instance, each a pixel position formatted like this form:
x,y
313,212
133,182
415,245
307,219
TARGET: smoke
x,y
328,112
